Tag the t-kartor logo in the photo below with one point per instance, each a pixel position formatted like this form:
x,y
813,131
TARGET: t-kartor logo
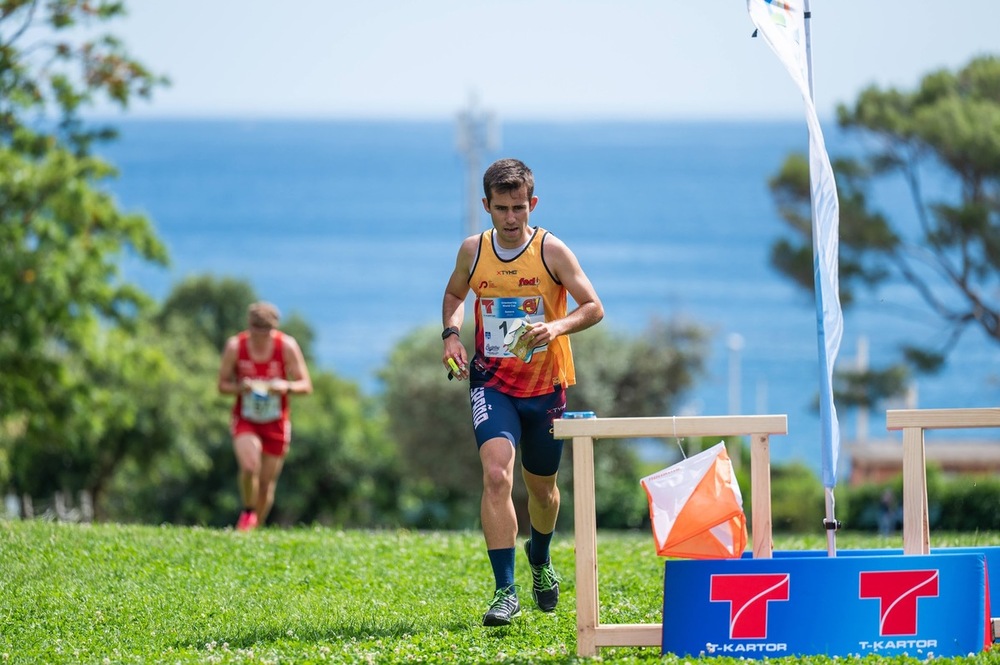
x,y
748,596
898,592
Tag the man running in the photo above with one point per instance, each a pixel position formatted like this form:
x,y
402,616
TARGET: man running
x,y
523,363
262,367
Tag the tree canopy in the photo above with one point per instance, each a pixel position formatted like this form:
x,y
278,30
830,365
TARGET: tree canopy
x,y
61,233
942,142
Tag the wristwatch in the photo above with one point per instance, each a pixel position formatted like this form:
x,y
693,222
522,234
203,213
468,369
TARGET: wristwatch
x,y
449,331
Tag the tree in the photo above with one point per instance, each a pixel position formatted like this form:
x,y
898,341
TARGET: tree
x,y
60,233
640,376
217,308
948,250
342,468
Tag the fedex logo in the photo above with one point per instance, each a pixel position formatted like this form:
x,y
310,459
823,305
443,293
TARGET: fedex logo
x,y
748,597
898,592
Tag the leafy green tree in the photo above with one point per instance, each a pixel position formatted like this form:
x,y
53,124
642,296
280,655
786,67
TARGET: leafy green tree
x,y
639,376
61,233
185,472
217,306
430,419
143,402
342,468
942,141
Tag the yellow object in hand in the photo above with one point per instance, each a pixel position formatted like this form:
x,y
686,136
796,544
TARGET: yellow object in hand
x,y
453,365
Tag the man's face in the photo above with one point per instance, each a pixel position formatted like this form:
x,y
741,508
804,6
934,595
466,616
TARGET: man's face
x,y
259,330
509,212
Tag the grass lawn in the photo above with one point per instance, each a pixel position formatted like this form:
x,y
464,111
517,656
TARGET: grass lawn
x,y
139,594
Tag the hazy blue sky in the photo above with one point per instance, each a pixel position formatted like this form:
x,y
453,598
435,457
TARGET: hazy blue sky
x,y
532,59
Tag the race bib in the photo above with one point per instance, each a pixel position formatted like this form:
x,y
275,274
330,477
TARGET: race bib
x,y
502,317
260,406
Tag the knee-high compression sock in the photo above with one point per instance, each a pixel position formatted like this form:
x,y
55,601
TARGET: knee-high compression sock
x,y
539,547
502,561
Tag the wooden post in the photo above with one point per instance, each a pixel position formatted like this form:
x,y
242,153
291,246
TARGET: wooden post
x,y
585,515
916,514
760,496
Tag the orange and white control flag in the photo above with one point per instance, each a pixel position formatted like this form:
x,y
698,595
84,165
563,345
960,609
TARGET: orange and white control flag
x,y
696,507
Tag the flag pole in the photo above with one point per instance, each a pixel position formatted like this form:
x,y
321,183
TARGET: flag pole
x,y
785,26
830,523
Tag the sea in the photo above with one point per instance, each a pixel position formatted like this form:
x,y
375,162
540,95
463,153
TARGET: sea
x,y
355,225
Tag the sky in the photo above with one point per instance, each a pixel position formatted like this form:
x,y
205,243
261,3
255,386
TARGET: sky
x,y
531,59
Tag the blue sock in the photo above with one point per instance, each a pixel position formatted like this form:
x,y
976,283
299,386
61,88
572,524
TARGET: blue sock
x,y
502,561
539,546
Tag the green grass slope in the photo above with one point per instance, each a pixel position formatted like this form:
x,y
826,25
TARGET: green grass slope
x,y
137,594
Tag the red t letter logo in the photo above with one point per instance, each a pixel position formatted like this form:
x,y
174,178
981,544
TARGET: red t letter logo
x,y
748,596
898,591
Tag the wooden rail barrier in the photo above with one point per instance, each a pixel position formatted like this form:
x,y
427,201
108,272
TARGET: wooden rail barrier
x,y
913,422
591,634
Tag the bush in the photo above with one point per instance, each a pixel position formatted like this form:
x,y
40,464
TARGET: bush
x,y
797,504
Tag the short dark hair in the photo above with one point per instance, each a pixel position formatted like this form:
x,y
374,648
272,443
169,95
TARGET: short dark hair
x,y
507,175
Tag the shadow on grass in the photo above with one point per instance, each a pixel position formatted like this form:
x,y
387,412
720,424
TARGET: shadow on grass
x,y
361,630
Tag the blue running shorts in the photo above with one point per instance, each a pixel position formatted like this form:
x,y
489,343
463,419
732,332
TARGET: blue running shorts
x,y
524,421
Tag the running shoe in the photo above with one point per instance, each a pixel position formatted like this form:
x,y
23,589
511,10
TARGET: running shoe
x,y
544,582
247,521
503,608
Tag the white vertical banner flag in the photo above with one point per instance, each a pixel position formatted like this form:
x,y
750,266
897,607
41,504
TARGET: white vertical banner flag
x,y
782,25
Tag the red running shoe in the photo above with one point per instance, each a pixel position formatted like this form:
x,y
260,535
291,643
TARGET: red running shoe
x,y
247,521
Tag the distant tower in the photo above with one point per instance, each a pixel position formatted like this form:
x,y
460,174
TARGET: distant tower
x,y
478,132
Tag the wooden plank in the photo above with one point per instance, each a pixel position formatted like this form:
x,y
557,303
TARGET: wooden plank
x,y
916,521
760,499
673,426
896,419
630,635
585,515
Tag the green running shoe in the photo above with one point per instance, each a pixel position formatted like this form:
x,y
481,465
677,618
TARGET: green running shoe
x,y
503,608
544,582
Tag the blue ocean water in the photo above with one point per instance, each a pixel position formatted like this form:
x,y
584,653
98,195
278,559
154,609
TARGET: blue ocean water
x,y
355,225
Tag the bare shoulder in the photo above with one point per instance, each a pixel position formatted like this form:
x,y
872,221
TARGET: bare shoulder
x,y
289,341
467,252
230,352
554,243
470,245
232,344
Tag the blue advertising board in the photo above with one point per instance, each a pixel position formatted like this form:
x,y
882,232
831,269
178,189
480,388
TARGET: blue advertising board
x,y
925,606
992,554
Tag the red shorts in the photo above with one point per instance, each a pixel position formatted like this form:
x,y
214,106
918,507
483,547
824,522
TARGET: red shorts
x,y
274,436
